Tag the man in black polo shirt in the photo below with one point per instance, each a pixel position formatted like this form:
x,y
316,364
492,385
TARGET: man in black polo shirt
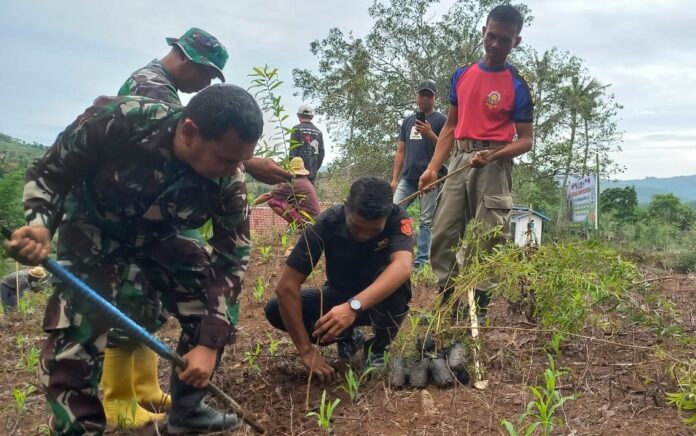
x,y
367,242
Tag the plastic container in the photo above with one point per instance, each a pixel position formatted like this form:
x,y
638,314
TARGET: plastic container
x,y
418,374
440,372
456,357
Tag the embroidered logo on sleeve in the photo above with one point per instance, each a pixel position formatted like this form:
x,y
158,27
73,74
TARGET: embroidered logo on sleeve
x,y
406,227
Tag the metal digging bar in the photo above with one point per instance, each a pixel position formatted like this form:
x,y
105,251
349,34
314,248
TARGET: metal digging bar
x,y
116,318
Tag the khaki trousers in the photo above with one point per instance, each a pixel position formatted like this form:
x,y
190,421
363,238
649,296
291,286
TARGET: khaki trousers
x,y
484,194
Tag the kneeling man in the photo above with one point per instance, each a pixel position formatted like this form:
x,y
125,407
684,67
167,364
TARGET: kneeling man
x,y
368,244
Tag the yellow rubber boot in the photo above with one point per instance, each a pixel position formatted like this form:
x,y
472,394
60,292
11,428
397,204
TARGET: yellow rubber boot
x,y
146,382
120,404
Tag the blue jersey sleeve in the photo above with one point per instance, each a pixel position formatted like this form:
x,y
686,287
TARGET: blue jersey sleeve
x,y
523,111
453,85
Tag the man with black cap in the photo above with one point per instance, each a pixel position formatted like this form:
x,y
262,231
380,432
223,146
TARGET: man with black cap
x,y
417,139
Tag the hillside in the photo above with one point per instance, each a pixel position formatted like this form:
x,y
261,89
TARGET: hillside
x,y
18,151
681,186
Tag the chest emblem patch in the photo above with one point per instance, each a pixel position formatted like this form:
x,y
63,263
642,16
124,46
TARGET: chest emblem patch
x,y
384,243
493,99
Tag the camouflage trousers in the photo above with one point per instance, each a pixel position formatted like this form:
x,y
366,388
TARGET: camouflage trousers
x,y
149,312
172,275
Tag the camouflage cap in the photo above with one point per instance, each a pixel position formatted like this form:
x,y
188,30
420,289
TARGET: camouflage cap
x,y
203,48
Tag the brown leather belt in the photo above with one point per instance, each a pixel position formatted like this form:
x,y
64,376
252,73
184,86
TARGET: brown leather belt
x,y
469,145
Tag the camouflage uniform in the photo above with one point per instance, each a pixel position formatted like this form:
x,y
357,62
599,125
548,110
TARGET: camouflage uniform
x,y
154,81
120,200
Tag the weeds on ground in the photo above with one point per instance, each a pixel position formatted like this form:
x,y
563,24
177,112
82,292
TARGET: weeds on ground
x,y
541,412
325,413
20,397
265,253
24,305
354,381
259,289
251,357
685,399
424,276
273,345
20,340
555,344
563,286
127,420
31,360
28,303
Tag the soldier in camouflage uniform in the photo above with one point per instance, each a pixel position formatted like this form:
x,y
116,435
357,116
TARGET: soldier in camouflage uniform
x,y
130,381
194,60
119,185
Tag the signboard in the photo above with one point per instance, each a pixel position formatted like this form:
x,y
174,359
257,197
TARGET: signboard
x,y
582,199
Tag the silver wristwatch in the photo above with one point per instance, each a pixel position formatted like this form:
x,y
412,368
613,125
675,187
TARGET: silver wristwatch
x,y
355,304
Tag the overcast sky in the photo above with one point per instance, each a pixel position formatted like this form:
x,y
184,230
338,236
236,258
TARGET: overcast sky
x,y
59,55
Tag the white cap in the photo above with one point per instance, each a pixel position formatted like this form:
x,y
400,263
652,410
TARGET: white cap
x,y
305,109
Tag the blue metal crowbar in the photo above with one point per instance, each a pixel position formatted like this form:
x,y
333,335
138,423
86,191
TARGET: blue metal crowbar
x,y
116,318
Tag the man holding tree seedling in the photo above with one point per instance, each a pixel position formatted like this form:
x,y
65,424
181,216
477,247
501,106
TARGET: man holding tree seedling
x,y
120,186
489,123
367,242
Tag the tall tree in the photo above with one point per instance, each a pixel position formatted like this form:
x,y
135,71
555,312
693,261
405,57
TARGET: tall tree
x,y
622,203
365,86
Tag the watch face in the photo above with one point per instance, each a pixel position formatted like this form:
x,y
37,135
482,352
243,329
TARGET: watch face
x,y
355,304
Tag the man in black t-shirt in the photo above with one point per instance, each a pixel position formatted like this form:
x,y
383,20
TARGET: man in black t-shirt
x,y
307,141
367,243
417,140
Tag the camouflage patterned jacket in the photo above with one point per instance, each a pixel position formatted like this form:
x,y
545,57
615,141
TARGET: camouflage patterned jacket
x,y
154,81
113,184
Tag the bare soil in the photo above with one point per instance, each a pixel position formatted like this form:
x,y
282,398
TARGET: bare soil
x,y
621,389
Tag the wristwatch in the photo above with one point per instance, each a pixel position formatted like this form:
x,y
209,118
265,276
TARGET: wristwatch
x,y
355,304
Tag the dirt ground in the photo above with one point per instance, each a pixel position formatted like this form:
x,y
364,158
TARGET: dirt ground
x,y
621,389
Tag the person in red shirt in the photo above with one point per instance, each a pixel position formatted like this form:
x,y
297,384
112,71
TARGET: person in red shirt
x,y
489,123
291,201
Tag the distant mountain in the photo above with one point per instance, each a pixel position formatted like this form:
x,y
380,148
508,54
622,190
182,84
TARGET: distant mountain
x,y
15,151
683,187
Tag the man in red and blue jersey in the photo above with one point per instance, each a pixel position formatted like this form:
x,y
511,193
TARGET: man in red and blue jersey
x,y
489,123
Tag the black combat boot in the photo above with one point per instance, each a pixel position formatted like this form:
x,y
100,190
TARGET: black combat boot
x,y
189,414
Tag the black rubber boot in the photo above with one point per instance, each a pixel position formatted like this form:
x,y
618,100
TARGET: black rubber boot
x,y
189,414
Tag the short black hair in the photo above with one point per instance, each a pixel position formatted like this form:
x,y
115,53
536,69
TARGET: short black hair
x,y
219,107
506,14
371,198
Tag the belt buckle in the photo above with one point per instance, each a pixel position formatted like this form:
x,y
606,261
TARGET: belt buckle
x,y
481,145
